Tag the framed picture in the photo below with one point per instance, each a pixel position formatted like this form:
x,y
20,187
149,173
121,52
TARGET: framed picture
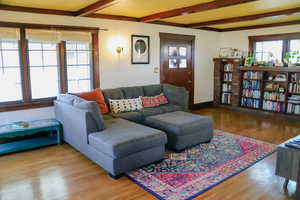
x,y
140,49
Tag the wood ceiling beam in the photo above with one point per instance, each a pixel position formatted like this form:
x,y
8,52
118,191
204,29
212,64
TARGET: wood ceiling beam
x,y
245,18
98,5
192,9
35,10
261,26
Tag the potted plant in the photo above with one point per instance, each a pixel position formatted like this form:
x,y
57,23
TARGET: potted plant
x,y
249,60
291,58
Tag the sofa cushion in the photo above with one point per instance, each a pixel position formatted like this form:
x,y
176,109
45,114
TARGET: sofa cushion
x,y
152,90
146,112
125,105
66,98
112,94
122,138
131,116
97,96
170,108
93,109
132,92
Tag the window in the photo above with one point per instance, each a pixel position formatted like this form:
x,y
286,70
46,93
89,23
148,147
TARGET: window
x,y
274,47
10,74
268,50
295,47
38,64
79,69
43,62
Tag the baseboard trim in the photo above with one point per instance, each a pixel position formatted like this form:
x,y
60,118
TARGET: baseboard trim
x,y
196,106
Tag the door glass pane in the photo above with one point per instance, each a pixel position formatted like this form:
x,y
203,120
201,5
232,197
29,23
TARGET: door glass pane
x,y
173,51
183,63
10,73
182,51
172,63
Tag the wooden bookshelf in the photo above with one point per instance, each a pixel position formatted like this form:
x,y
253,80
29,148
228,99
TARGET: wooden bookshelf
x,y
274,95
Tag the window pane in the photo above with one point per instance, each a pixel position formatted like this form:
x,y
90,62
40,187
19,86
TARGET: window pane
x,y
50,58
44,82
10,58
43,60
182,51
172,63
270,50
10,75
183,63
295,47
35,58
78,67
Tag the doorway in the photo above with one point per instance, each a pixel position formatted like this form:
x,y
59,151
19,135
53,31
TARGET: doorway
x,y
177,61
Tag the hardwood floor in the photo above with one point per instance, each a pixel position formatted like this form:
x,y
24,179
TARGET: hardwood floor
x,y
60,172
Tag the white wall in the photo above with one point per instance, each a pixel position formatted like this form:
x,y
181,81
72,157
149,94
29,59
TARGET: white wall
x,y
117,73
239,39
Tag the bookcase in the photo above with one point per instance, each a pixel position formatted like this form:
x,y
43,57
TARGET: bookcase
x,y
267,90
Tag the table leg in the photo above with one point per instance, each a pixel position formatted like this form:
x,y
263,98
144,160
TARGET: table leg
x,y
285,184
58,135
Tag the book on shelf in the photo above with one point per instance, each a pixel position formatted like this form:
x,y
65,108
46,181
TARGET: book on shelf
x,y
294,88
251,103
293,106
226,87
274,96
251,93
252,75
251,84
226,98
295,77
228,67
227,76
273,106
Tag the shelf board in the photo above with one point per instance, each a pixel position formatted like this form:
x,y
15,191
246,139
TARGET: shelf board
x,y
274,100
251,79
251,98
272,81
271,69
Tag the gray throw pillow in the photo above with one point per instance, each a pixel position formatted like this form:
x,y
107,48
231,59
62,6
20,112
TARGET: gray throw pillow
x,y
91,107
66,98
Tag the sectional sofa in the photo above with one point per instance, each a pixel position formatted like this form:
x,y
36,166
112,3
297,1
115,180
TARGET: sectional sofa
x,y
125,141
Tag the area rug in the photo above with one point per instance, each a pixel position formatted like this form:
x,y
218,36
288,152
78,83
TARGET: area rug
x,y
190,173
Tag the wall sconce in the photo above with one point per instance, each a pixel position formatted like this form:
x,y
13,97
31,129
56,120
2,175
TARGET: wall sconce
x,y
119,50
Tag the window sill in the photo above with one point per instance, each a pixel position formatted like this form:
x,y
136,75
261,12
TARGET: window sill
x,y
24,106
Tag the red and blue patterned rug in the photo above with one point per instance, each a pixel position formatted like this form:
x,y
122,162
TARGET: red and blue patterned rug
x,y
190,173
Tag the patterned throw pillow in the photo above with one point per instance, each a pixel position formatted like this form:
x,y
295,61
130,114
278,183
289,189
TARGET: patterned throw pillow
x,y
125,105
149,102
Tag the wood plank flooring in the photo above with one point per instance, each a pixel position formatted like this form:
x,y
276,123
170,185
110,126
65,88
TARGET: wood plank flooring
x,y
60,172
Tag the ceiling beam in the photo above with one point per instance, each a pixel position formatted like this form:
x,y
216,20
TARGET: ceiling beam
x,y
98,5
246,18
192,9
35,10
261,26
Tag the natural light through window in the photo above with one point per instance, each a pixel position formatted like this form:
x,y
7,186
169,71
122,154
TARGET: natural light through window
x,y
43,61
269,51
78,66
10,75
295,47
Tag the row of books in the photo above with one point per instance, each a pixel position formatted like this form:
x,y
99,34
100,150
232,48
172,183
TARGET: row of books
x,y
227,77
251,84
275,96
226,98
252,75
228,67
295,77
294,88
293,106
273,106
247,102
251,93
226,87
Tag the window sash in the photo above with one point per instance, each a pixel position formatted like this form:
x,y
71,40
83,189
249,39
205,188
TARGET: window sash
x,y
28,102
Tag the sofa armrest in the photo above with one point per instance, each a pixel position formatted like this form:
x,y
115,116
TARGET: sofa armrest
x,y
177,96
77,124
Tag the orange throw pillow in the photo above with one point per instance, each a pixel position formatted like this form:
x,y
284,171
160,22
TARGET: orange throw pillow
x,y
97,96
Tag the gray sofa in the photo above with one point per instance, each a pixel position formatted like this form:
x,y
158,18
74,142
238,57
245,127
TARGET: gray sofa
x,y
115,141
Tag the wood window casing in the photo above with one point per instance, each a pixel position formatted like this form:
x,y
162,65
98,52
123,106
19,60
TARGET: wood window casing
x,y
285,37
28,102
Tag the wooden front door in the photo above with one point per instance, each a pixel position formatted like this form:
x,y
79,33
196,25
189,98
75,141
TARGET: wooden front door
x,y
177,61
